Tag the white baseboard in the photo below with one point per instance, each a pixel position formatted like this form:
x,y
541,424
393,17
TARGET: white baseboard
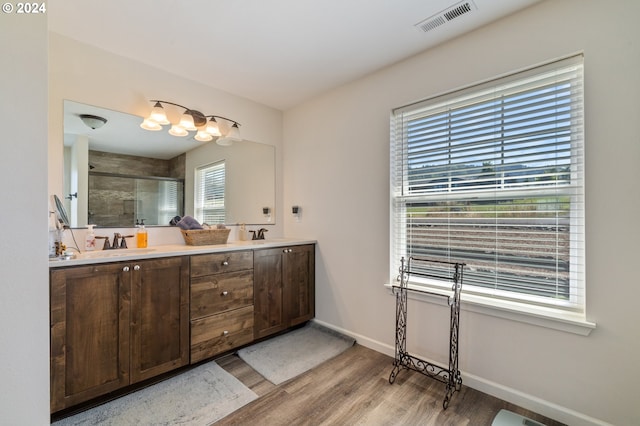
x,y
521,399
360,339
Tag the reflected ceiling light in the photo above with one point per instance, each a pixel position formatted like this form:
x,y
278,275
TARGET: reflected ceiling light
x,y
177,130
224,141
232,136
93,121
150,125
203,136
193,121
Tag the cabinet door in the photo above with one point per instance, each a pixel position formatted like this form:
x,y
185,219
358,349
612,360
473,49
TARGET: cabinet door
x,y
160,316
298,277
267,301
90,311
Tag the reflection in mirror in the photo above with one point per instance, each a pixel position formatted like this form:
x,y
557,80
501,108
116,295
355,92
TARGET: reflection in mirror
x,y
61,212
122,200
117,173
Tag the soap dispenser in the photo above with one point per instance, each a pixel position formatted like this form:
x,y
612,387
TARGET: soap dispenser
x,y
141,236
90,239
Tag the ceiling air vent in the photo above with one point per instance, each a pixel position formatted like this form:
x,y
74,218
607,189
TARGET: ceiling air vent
x,y
449,14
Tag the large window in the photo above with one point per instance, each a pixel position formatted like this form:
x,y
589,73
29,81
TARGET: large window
x,y
209,193
492,175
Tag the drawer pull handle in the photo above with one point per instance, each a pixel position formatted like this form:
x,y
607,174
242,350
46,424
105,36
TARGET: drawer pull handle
x,y
225,263
225,333
224,293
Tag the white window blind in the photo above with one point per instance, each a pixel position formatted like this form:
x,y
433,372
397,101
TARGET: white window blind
x,y
492,175
209,193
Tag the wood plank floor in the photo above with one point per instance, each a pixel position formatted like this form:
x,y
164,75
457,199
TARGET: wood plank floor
x,y
353,389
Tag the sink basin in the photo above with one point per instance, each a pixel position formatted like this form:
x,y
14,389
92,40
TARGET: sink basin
x,y
101,254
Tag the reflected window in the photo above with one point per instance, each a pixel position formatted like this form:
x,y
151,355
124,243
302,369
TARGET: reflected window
x,y
169,196
209,193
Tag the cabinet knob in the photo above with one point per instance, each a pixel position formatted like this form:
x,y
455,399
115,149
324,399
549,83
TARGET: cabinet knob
x,y
125,269
136,268
225,263
225,333
224,293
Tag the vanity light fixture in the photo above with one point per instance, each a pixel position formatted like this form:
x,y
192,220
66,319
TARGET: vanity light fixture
x,y
205,126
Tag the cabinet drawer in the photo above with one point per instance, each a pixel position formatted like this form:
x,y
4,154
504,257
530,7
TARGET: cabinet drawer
x,y
219,333
212,294
215,263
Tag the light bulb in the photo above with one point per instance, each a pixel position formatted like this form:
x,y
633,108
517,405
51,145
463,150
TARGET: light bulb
x,y
212,128
186,121
234,133
203,136
158,115
177,130
150,124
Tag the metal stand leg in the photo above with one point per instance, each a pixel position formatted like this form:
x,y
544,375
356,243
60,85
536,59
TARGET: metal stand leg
x,y
401,326
451,376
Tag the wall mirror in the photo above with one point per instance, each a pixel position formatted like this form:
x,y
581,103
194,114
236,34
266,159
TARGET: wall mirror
x,y
117,173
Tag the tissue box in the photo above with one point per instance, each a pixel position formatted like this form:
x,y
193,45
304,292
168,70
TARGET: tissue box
x,y
205,237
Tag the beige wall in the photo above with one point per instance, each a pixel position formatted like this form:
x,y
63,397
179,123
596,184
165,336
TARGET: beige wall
x,y
24,304
338,174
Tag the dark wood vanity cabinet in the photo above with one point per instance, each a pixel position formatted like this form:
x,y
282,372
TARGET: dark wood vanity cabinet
x,y
284,288
221,303
114,324
118,323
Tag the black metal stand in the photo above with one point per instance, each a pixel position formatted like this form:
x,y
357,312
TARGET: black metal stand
x,y
449,271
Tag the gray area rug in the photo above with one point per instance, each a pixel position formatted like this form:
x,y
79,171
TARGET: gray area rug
x,y
197,397
289,355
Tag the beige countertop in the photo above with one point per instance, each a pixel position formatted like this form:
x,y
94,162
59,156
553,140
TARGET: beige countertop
x,y
117,255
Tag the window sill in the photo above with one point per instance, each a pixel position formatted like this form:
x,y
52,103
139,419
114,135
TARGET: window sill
x,y
536,315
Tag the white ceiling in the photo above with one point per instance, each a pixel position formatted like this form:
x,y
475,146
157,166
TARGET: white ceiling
x,y
275,52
